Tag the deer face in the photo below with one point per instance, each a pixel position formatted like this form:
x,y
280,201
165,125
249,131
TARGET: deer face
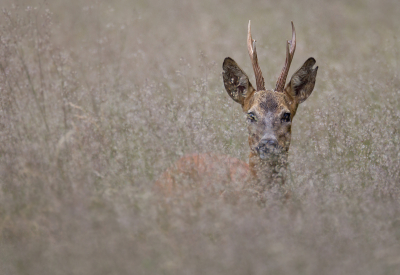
x,y
269,112
269,116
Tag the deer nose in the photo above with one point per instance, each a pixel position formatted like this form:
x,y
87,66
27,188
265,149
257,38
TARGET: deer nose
x,y
268,142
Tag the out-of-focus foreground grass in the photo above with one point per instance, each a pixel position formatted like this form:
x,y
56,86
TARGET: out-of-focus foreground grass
x,y
99,97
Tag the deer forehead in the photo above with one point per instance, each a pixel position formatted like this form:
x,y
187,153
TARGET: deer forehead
x,y
264,102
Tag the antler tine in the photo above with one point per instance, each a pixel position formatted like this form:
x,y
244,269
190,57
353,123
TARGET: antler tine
x,y
251,47
280,84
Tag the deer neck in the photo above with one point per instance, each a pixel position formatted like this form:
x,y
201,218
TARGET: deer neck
x,y
268,174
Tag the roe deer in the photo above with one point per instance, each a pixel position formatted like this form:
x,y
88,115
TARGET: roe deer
x,y
269,118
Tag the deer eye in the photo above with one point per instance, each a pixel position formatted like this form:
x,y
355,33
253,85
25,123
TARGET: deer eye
x,y
251,117
286,117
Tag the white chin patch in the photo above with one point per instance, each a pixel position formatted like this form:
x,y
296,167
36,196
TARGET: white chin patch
x,y
269,154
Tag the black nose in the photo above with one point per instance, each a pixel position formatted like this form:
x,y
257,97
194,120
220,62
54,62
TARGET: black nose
x,y
269,142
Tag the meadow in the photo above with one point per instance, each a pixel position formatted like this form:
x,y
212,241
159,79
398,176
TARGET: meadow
x,y
98,98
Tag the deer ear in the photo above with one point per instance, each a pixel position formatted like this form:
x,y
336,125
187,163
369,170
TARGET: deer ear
x,y
236,82
302,82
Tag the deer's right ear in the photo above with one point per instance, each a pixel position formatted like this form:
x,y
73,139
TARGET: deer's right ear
x,y
236,82
302,83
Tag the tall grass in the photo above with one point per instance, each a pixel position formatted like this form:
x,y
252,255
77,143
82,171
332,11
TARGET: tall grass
x,y
98,98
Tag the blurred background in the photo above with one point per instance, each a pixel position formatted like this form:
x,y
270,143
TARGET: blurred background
x,y
98,98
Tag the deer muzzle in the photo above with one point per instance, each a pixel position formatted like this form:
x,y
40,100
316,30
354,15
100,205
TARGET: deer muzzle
x,y
269,149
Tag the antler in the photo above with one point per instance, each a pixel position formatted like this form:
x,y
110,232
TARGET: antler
x,y
280,84
251,46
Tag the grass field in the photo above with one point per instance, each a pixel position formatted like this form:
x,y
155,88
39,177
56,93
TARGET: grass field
x,y
99,97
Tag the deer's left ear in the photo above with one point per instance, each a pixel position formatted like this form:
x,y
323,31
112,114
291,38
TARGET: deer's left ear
x,y
302,82
236,82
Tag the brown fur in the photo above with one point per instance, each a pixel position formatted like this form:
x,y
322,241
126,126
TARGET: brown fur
x,y
199,171
270,115
269,107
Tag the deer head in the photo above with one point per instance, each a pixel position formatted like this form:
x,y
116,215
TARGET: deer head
x,y
269,112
